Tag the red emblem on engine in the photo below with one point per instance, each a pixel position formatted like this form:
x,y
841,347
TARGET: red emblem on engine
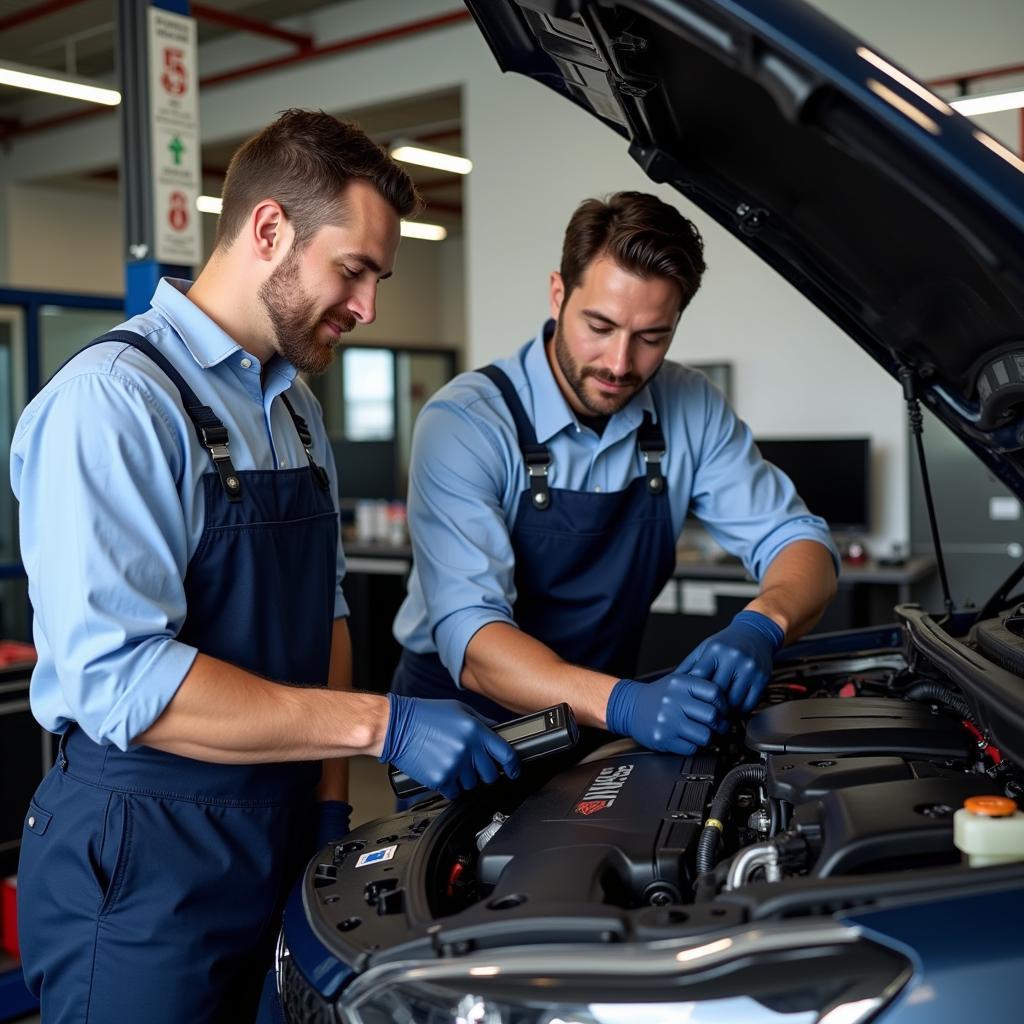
x,y
590,806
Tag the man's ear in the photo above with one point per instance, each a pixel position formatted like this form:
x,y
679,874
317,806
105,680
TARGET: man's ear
x,y
268,229
556,293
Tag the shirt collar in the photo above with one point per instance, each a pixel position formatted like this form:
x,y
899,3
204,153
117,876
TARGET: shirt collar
x,y
552,413
207,343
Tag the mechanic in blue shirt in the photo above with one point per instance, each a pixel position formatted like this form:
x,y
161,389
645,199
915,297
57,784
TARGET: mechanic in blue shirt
x,y
547,493
180,531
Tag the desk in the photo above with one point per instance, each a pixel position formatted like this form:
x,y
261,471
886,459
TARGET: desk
x,y
703,596
375,589
903,577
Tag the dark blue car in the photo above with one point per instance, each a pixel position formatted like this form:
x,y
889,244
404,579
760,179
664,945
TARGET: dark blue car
x,y
835,890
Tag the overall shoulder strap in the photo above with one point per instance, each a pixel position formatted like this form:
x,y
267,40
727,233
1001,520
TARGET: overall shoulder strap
x,y
212,433
536,456
302,429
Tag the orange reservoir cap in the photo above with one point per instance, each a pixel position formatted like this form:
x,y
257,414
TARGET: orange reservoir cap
x,y
991,806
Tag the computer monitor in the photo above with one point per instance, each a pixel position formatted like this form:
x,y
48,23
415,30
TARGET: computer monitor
x,y
832,475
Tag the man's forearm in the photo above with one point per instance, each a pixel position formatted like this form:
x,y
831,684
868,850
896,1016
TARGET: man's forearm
x,y
797,587
522,674
224,714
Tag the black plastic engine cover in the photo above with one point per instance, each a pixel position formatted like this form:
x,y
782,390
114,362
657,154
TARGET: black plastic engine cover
x,y
802,777
616,830
887,825
857,726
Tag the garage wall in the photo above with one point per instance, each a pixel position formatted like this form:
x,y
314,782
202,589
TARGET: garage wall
x,y
62,240
536,157
794,372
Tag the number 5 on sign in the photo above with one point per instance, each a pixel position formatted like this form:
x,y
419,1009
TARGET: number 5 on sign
x,y
174,77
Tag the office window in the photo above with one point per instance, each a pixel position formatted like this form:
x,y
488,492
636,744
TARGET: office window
x,y
369,389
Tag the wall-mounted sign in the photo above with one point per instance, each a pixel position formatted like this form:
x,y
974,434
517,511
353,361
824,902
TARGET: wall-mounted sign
x,y
174,131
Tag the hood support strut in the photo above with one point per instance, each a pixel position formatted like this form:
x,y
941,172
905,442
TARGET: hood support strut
x,y
909,383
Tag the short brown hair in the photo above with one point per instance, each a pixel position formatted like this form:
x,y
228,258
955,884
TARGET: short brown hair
x,y
641,234
303,161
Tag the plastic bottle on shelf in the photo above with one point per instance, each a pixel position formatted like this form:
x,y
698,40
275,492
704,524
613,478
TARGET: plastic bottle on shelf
x,y
989,830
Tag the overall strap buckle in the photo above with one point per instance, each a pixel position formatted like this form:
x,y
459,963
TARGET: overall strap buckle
x,y
651,443
655,477
538,461
213,436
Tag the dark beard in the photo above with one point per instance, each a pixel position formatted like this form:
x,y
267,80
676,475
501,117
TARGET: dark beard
x,y
295,319
606,405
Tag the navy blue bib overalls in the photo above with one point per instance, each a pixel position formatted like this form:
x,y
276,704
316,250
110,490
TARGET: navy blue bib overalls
x,y
150,885
588,566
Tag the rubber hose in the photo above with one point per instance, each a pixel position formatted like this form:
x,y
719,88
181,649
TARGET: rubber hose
x,y
941,694
707,843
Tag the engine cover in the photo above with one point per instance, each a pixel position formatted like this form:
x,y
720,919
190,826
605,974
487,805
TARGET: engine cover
x,y
858,726
616,829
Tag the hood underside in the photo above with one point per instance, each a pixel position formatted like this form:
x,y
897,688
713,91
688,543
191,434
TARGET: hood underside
x,y
897,217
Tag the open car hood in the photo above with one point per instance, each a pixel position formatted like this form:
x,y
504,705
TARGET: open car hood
x,y
897,217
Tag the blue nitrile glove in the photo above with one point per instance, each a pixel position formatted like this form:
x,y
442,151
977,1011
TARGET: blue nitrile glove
x,y
444,745
675,713
738,658
331,818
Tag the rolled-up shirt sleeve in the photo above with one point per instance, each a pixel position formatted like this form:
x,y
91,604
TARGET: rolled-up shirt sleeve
x,y
460,538
96,471
749,506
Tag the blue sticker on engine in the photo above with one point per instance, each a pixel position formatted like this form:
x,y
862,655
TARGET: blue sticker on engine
x,y
376,856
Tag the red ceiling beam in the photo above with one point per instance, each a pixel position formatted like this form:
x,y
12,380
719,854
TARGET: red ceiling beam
x,y
34,13
975,76
243,24
409,28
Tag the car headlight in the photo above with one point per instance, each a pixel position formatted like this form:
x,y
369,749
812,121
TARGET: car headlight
x,y
827,975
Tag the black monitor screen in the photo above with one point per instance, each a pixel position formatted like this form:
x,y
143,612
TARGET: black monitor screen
x,y
831,475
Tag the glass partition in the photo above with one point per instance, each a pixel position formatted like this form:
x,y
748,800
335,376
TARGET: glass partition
x,y
371,396
38,332
63,330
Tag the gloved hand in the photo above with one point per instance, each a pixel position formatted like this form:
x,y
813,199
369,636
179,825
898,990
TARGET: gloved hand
x,y
330,820
675,713
444,745
738,659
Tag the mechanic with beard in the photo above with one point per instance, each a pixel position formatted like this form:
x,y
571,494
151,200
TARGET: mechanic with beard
x,y
180,531
547,493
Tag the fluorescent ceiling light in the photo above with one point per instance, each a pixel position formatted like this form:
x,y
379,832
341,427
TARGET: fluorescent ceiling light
x,y
432,158
417,229
410,229
22,77
970,105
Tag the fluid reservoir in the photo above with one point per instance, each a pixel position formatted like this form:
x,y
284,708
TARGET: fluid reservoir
x,y
989,830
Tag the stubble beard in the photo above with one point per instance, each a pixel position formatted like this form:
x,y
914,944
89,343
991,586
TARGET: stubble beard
x,y
576,377
296,322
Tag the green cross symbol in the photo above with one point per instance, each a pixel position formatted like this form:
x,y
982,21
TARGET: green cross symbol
x,y
177,148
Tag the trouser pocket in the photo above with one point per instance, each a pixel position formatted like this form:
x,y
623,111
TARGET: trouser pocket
x,y
73,855
108,855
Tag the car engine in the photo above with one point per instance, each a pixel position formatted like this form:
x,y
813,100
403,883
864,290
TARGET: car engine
x,y
845,778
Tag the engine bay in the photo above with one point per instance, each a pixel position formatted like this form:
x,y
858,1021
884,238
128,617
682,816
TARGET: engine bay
x,y
838,791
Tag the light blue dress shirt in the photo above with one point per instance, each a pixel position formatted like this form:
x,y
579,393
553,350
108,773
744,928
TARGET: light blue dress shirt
x,y
107,468
467,475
